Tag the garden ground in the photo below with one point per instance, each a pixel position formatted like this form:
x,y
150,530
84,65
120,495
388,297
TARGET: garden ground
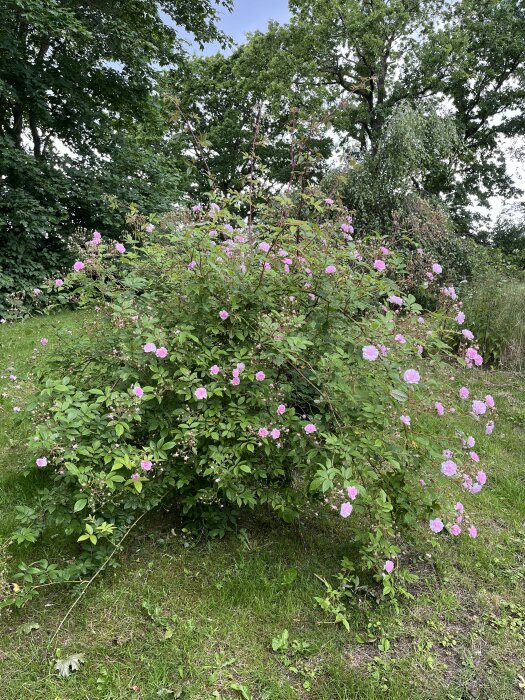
x,y
181,618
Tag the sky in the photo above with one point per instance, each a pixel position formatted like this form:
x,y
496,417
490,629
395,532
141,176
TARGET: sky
x,y
247,16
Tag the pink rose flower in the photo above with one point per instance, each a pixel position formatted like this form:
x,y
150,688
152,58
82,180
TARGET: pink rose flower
x,y
489,400
370,353
449,468
346,510
412,376
436,525
478,408
481,477
352,492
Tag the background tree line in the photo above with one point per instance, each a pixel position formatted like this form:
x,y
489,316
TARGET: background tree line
x,y
401,108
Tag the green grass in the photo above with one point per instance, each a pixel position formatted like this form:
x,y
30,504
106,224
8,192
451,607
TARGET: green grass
x,y
196,619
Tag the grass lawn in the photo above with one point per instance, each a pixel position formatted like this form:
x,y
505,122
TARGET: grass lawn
x,y
195,619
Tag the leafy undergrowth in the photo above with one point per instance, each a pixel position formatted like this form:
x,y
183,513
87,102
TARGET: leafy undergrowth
x,y
236,618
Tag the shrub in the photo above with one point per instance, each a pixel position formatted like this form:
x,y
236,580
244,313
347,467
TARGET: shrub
x,y
495,307
229,369
24,266
508,233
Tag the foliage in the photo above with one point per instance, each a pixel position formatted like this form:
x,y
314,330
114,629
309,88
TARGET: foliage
x,y
392,181
495,306
238,589
79,121
237,367
372,63
228,110
508,233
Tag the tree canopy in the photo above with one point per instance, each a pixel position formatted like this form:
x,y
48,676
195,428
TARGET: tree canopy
x,y
79,116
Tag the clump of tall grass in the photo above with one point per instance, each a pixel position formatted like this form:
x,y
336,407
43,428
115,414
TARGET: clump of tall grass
x,y
495,309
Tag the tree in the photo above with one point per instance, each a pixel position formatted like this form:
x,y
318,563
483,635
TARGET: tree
x,y
77,81
376,55
508,233
230,110
485,82
414,153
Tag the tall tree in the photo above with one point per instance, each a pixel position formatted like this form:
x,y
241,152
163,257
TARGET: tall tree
x,y
229,110
77,81
377,55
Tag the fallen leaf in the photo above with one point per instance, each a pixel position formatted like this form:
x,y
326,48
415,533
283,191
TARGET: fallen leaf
x,y
69,664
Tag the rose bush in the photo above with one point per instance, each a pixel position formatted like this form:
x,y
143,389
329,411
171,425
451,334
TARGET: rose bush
x,y
233,366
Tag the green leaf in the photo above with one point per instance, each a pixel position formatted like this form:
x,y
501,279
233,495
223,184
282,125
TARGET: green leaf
x,y
28,627
79,505
399,395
